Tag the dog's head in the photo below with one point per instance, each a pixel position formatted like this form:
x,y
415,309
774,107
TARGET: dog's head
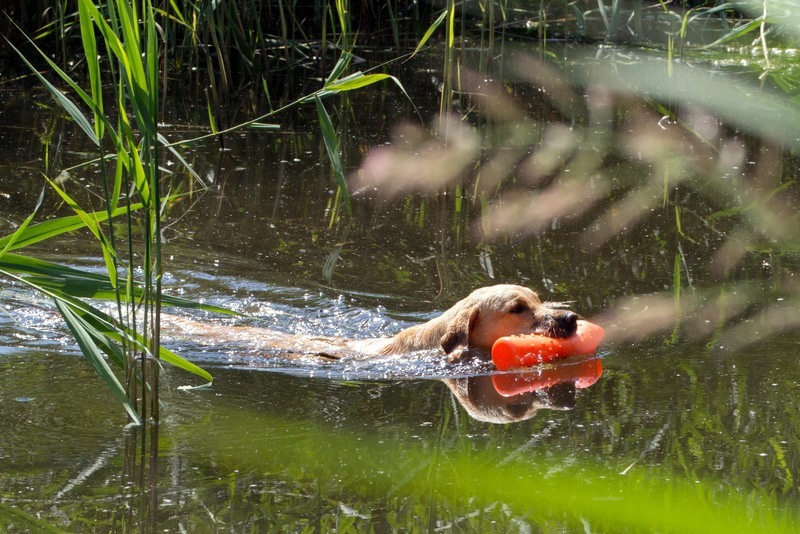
x,y
489,313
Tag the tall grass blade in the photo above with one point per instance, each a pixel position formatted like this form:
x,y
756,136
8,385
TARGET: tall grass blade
x,y
332,147
67,104
342,9
737,32
92,65
107,327
119,172
109,254
152,56
84,284
177,155
429,32
451,27
131,70
175,360
88,221
9,242
341,65
140,178
357,81
212,122
85,336
393,23
87,99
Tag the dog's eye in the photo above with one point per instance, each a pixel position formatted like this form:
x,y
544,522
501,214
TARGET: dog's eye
x,y
518,308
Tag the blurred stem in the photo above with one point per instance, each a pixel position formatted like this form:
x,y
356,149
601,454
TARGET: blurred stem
x,y
763,34
446,102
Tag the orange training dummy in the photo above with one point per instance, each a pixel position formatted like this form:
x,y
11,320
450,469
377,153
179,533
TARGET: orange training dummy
x,y
532,349
582,374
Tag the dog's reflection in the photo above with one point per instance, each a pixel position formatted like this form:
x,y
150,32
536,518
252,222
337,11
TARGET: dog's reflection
x,y
513,397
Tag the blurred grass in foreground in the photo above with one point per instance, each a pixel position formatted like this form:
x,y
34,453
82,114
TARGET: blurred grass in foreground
x,y
603,143
421,486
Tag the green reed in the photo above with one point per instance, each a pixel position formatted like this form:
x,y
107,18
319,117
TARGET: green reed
x,y
123,51
128,153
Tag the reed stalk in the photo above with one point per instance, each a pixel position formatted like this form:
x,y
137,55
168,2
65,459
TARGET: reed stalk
x,y
128,34
448,70
128,153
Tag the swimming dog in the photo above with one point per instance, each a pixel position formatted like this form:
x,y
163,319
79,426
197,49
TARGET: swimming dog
x,y
472,324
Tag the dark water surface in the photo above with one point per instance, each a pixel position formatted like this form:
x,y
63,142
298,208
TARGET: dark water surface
x,y
680,433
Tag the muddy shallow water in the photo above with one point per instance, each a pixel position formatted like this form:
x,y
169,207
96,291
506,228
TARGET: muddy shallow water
x,y
679,433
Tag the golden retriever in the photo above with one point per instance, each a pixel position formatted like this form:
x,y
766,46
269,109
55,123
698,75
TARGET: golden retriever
x,y
474,322
471,326
485,315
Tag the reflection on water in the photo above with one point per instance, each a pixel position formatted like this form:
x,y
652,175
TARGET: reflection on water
x,y
259,444
512,397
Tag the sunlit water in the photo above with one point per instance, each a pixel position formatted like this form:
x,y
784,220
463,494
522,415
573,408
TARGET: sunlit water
x,y
684,433
242,447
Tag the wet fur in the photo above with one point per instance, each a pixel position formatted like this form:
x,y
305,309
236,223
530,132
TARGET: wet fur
x,y
473,323
485,315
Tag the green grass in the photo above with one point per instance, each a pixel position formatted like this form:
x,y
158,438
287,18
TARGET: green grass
x,y
453,476
128,153
123,51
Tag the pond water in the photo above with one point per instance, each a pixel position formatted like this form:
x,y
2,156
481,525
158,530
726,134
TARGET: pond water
x,y
682,431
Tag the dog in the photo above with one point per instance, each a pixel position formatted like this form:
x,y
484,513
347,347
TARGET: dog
x,y
471,326
477,321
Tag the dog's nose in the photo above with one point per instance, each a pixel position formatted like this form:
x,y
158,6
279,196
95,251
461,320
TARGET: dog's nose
x,y
568,321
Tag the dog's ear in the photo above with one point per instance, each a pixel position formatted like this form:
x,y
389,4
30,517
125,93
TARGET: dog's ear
x,y
457,333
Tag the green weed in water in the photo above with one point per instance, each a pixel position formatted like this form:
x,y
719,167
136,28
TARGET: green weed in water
x,y
128,159
130,340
